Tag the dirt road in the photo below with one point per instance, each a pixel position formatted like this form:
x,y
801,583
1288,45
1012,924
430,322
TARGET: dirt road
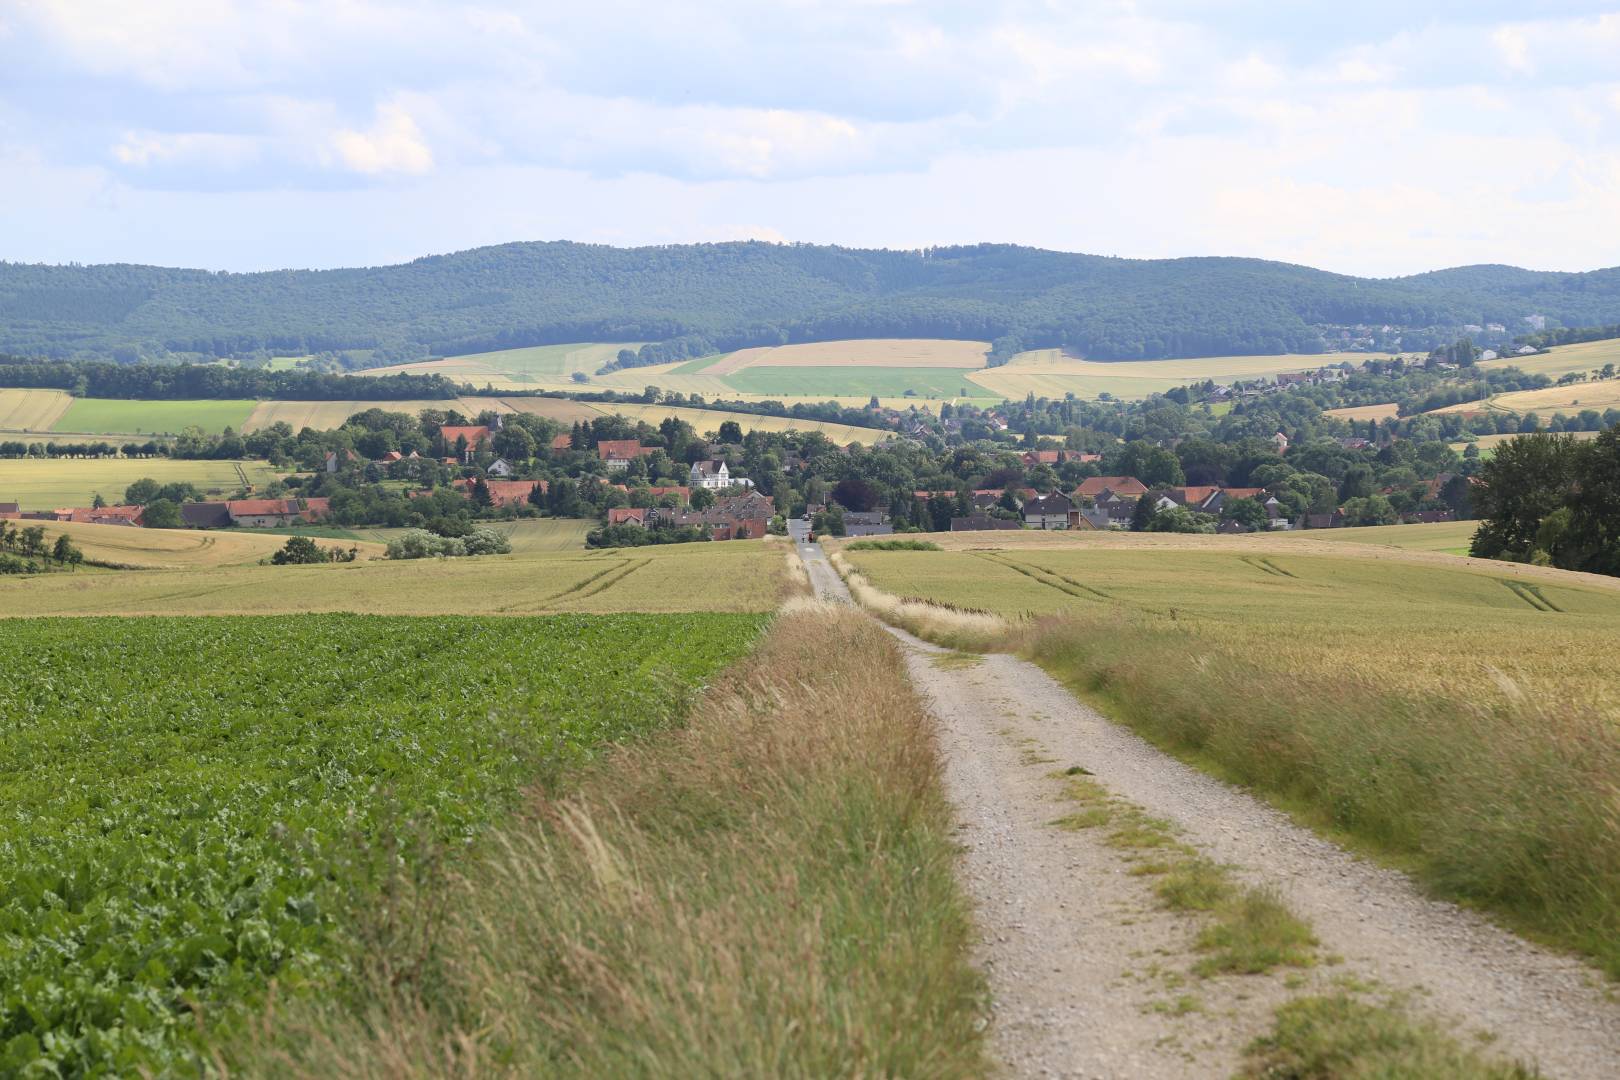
x,y
1092,978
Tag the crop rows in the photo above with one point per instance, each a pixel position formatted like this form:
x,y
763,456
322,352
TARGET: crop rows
x,y
190,808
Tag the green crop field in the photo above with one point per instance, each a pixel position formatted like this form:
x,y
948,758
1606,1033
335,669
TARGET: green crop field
x,y
853,379
112,415
738,576
536,535
48,483
1450,537
1423,623
191,808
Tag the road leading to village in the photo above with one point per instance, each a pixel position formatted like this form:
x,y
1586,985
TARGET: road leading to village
x,y
1092,978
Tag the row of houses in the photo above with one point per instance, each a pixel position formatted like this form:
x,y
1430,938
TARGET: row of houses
x,y
737,517
99,515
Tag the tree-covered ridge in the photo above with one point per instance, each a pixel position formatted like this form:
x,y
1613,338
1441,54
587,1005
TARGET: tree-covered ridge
x,y
727,296
179,382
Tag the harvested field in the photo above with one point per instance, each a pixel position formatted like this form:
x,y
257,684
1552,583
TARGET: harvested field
x,y
745,576
876,352
1584,357
32,410
57,482
1387,411
1053,373
1558,399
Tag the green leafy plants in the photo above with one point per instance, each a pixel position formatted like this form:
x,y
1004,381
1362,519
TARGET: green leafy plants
x,y
192,807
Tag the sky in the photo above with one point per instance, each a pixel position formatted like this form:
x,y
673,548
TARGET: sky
x,y
1376,137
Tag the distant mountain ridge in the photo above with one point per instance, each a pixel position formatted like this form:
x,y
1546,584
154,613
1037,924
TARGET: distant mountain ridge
x,y
701,298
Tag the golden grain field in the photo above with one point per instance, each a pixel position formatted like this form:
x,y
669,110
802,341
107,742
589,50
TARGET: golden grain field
x,y
46,484
32,410
180,549
1420,621
1386,411
728,576
1585,356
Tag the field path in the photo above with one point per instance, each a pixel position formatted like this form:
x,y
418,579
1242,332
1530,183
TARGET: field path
x,y
1081,961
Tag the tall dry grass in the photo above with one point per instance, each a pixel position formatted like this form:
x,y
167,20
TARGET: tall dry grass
x,y
939,623
1496,798
767,892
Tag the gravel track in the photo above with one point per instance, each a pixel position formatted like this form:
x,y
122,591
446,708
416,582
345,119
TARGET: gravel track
x,y
1080,960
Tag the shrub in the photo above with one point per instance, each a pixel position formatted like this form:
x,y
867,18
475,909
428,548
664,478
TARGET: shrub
x,y
893,545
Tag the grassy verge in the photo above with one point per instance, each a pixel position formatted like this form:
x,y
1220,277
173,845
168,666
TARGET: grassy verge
x,y
1500,799
766,892
1342,1036
1249,931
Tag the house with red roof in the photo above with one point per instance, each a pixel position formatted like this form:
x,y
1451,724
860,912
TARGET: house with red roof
x,y
1128,487
469,437
619,453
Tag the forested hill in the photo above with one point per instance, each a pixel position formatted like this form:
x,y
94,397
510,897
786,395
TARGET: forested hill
x,y
705,297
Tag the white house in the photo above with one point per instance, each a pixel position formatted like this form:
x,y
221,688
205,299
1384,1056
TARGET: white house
x,y
1048,512
500,467
710,473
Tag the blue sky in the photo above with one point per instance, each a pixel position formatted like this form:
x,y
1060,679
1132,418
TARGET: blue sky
x,y
1376,137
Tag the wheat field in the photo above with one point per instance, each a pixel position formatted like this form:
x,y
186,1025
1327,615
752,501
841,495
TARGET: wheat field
x,y
1420,621
741,575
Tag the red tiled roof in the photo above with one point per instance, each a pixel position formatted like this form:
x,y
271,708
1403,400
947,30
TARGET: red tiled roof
x,y
621,514
261,507
1093,486
1245,493
621,449
503,492
563,442
317,507
106,515
474,434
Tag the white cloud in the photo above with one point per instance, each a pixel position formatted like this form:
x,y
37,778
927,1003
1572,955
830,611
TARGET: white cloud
x,y
144,148
393,144
1375,141
1514,47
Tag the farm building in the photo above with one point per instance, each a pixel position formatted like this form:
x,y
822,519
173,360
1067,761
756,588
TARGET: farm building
x,y
205,515
981,523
